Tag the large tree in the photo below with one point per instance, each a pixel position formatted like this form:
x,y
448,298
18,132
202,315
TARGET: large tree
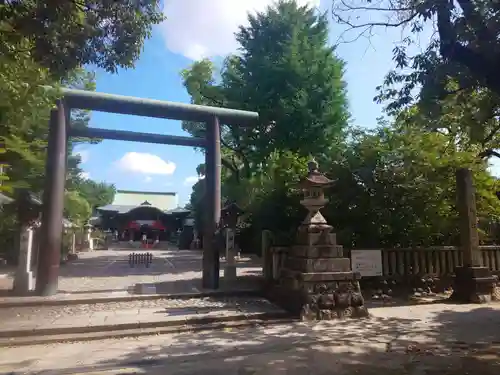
x,y
285,70
49,43
24,116
96,193
460,60
62,35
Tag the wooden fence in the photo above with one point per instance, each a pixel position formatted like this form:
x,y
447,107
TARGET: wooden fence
x,y
433,260
403,262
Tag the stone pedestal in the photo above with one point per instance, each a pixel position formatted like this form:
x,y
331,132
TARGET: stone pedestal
x,y
267,261
230,268
317,281
72,254
473,285
23,280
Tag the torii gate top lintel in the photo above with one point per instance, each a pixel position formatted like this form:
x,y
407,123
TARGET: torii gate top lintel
x,y
129,105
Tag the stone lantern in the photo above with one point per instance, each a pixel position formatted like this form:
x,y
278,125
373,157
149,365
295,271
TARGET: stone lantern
x,y
230,214
316,280
28,214
313,186
88,235
29,207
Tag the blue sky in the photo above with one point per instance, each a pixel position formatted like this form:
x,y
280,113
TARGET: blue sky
x,y
147,167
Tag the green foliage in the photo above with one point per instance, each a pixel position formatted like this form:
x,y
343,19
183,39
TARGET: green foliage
x,y
24,113
64,35
5,185
396,188
271,199
96,193
457,68
46,43
395,185
24,116
76,207
289,74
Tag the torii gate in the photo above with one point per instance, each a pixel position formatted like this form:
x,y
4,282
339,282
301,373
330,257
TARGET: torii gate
x,y
55,173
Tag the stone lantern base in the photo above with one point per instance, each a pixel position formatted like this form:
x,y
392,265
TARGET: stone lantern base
x,y
72,257
473,285
317,282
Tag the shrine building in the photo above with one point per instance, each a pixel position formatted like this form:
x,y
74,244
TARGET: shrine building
x,y
136,213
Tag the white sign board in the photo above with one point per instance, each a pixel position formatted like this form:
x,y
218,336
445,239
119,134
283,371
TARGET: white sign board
x,y
367,262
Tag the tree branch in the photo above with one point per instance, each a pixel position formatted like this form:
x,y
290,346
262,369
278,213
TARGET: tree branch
x,y
488,153
383,9
490,136
217,102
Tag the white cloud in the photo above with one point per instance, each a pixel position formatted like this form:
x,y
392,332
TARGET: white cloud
x,y
191,180
202,28
148,179
145,163
85,175
84,155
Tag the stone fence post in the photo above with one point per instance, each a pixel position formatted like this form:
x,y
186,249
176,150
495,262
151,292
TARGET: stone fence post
x,y
267,257
23,280
230,269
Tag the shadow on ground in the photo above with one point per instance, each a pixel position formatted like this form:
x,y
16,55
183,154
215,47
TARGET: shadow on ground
x,y
441,342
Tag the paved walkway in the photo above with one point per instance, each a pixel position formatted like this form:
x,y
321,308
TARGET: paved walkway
x,y
104,273
420,340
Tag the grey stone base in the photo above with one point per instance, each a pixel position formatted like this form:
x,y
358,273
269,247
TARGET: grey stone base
x,y
23,283
473,285
72,256
230,273
327,301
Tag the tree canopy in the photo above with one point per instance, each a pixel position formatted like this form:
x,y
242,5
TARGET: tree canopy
x,y
394,184
63,35
287,71
396,187
289,74
55,43
458,64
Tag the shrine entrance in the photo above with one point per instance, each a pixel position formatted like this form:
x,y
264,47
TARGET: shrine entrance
x,y
55,174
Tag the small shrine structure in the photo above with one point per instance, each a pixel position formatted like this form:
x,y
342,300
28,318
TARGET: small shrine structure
x,y
316,280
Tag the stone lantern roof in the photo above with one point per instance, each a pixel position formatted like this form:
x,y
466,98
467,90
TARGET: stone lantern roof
x,y
230,214
314,177
232,208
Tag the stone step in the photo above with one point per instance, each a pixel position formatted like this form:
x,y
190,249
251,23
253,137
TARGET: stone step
x,y
84,318
40,323
65,299
250,321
